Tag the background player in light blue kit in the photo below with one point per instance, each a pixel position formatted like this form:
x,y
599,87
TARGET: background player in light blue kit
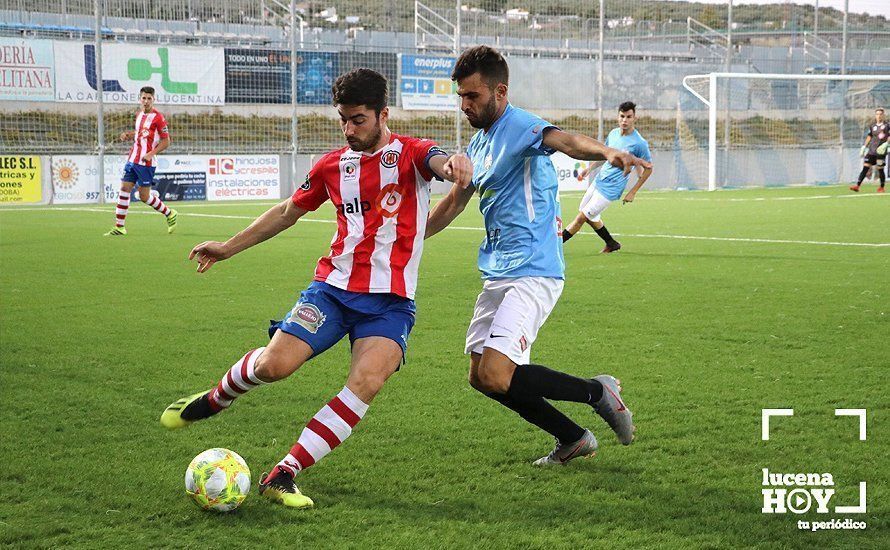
x,y
610,182
521,256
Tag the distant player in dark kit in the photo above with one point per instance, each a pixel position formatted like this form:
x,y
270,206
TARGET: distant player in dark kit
x,y
611,181
874,151
150,137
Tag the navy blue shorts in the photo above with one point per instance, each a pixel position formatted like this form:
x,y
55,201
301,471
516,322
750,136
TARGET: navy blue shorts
x,y
138,174
324,314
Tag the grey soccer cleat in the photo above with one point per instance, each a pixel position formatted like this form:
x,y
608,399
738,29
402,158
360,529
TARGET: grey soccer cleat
x,y
586,447
613,410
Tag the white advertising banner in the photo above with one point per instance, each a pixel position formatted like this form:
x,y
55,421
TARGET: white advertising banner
x,y
27,71
75,178
179,75
568,172
241,177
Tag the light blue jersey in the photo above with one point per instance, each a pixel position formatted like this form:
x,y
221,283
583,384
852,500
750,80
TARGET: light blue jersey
x,y
611,181
518,188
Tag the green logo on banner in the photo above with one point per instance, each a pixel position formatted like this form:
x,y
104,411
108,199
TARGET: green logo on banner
x,y
141,69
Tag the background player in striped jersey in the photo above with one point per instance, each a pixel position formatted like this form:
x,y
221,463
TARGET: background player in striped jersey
x,y
611,181
521,256
150,137
364,288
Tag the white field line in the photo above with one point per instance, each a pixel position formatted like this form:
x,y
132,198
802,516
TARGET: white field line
x,y
479,229
649,197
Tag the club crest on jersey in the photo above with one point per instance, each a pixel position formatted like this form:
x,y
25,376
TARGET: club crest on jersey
x,y
307,316
389,200
488,161
145,132
523,344
389,159
349,170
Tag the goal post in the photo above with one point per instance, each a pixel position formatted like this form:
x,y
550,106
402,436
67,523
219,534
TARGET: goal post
x,y
780,129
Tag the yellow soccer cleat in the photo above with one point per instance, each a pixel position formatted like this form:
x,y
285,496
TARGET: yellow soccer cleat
x,y
171,221
115,232
279,487
184,411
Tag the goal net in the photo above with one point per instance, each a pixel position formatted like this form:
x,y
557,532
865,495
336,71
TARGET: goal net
x,y
758,130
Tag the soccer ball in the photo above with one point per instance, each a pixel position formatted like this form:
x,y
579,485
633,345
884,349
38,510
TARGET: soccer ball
x,y
218,480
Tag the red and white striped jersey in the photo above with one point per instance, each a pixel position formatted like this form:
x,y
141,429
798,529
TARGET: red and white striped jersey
x,y
382,201
150,129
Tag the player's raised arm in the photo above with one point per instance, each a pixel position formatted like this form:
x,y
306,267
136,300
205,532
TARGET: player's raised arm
x,y
272,222
582,147
448,208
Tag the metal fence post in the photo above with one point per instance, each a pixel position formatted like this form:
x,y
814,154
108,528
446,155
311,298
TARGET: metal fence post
x,y
458,115
100,106
600,74
293,92
841,160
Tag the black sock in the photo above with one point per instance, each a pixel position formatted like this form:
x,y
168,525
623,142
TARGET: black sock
x,y
862,175
881,176
537,411
566,235
604,234
537,380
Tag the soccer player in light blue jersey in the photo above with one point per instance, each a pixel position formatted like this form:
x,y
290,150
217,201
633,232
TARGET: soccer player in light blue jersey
x,y
611,181
521,256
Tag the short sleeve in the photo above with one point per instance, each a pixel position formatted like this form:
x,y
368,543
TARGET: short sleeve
x,y
161,125
313,192
422,150
643,151
527,134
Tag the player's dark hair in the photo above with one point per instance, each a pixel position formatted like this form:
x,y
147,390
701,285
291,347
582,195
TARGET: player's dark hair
x,y
361,87
486,61
879,109
147,90
627,106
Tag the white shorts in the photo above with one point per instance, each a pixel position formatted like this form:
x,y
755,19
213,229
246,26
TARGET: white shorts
x,y
593,204
509,313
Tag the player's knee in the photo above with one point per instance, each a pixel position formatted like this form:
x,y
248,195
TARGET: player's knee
x,y
490,380
475,381
271,367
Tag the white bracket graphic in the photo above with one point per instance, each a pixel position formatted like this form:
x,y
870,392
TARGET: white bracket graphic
x,y
765,414
854,412
854,509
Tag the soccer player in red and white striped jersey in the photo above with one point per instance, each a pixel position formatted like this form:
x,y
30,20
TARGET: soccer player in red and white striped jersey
x,y
363,288
150,137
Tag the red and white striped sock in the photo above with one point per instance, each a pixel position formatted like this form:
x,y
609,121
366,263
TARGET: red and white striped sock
x,y
328,428
123,204
156,203
240,379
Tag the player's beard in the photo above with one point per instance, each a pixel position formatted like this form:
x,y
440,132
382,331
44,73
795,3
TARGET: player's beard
x,y
366,145
486,116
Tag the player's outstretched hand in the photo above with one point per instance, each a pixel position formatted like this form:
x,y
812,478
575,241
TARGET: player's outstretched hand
x,y
623,159
628,198
459,169
207,254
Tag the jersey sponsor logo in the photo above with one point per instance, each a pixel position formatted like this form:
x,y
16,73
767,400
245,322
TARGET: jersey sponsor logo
x,y
354,207
307,316
389,159
389,200
306,184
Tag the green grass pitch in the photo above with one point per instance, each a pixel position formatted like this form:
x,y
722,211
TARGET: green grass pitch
x,y
765,307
